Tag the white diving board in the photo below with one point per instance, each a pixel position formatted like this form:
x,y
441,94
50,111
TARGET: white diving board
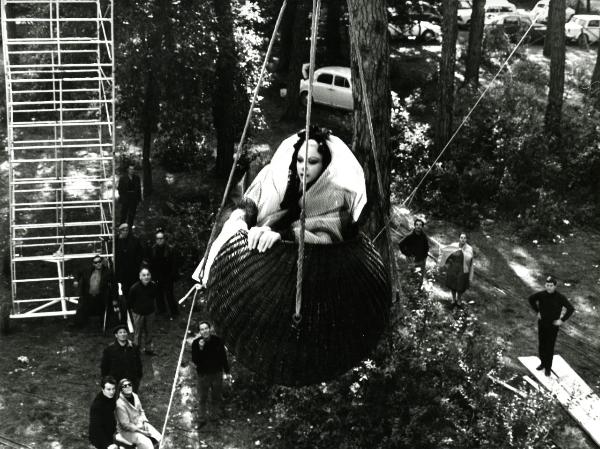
x,y
571,391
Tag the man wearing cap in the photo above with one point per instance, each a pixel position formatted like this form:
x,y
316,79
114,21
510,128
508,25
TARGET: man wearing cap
x,y
128,258
549,304
121,359
130,194
415,246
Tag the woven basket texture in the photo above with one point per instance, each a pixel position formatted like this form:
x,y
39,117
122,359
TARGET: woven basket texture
x,y
345,307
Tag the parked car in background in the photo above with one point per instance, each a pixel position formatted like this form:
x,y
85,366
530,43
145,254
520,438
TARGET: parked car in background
x,y
332,86
421,10
513,25
583,29
492,9
465,9
402,27
541,8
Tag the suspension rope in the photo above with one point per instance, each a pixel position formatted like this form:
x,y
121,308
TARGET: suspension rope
x,y
238,153
408,200
374,150
176,377
316,9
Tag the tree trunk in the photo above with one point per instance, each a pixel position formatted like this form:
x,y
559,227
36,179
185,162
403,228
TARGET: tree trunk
x,y
588,6
550,26
475,42
333,41
557,68
446,76
286,34
368,35
149,116
297,57
594,92
224,89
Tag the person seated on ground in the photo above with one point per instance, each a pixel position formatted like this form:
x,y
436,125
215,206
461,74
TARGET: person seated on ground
x,y
132,423
103,426
335,196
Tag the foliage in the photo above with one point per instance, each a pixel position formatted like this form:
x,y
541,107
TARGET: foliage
x,y
430,373
501,165
182,66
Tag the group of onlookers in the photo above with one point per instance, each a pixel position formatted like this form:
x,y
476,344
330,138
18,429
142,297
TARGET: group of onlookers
x,y
458,260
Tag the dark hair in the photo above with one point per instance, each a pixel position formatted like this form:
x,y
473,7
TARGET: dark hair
x,y
551,279
200,323
160,231
417,220
292,191
107,380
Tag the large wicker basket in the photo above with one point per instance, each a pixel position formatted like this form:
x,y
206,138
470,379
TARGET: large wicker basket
x,y
345,307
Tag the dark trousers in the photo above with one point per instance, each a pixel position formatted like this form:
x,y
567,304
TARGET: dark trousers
x,y
128,208
166,298
211,384
88,305
547,338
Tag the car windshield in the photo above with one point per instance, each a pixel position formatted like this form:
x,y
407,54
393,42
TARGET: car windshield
x,y
578,21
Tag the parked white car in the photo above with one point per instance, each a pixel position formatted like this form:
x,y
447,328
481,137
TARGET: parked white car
x,y
418,30
541,8
583,28
492,8
332,86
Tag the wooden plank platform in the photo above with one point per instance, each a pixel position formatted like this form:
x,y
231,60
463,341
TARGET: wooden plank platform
x,y
571,391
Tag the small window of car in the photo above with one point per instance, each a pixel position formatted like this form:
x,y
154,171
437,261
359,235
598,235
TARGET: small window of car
x,y
463,4
594,23
325,78
340,81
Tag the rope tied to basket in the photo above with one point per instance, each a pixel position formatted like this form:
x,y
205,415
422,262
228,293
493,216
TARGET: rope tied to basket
x,y
316,8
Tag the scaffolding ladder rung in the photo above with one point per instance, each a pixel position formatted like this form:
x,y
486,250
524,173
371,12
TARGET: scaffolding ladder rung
x,y
32,300
88,139
40,208
41,111
57,41
70,202
91,100
58,278
64,123
59,146
51,258
65,79
27,181
61,159
41,245
52,50
73,224
55,19
63,237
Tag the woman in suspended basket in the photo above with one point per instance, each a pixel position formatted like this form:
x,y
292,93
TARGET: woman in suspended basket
x,y
270,210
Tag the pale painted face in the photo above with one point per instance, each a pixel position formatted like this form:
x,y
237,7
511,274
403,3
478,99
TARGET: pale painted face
x,y
160,238
204,330
314,165
462,240
550,287
109,390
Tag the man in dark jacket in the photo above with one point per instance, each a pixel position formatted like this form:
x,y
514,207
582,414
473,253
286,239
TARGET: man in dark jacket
x,y
415,246
164,272
102,416
210,358
549,304
96,291
130,194
121,359
128,258
142,299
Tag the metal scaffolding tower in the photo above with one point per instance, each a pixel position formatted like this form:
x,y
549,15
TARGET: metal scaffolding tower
x,y
60,104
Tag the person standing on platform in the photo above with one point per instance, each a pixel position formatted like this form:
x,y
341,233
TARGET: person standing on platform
x,y
164,272
549,305
142,299
130,194
128,259
210,358
121,359
415,246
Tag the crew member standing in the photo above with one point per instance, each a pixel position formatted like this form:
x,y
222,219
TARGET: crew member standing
x,y
415,246
549,305
130,194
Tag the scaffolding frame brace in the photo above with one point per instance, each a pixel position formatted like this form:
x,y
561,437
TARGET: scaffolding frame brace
x,y
60,104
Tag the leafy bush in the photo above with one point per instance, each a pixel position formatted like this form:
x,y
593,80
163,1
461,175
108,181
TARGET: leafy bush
x,y
427,387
